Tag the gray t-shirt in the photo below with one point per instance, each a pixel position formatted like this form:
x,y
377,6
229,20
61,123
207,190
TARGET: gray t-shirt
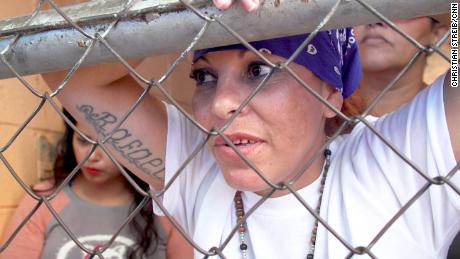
x,y
94,225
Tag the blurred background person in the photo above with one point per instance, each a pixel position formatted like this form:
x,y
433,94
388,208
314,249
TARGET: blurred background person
x,y
384,53
94,204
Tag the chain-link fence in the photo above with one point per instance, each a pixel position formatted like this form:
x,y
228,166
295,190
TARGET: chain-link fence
x,y
95,45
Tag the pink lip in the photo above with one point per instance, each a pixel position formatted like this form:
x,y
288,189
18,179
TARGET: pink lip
x,y
91,171
374,39
225,151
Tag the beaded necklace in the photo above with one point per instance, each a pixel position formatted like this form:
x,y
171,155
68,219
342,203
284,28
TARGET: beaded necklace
x,y
239,210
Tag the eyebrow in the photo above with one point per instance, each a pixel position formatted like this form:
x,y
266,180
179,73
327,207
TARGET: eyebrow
x,y
241,54
203,58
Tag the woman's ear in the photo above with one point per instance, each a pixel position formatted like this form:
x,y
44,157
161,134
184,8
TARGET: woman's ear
x,y
334,97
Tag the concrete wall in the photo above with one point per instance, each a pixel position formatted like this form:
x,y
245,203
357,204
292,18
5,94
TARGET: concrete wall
x,y
31,153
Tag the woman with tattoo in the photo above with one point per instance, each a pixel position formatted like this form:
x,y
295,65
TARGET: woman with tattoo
x,y
94,204
257,152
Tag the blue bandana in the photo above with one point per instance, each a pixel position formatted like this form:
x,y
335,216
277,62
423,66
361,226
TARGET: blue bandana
x,y
331,55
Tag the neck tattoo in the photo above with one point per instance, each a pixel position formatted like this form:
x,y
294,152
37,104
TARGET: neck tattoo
x,y
239,209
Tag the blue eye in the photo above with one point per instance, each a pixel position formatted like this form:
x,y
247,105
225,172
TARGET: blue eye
x,y
203,77
258,69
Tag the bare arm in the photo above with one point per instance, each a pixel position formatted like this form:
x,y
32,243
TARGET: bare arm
x,y
99,96
31,238
176,247
452,106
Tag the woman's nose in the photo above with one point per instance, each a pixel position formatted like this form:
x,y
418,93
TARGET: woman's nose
x,y
377,24
230,94
96,154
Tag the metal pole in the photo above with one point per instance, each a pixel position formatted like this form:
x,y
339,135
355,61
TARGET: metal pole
x,y
152,27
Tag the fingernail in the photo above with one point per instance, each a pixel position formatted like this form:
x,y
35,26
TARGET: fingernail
x,y
252,5
222,4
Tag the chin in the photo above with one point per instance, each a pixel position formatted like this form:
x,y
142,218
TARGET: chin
x,y
245,180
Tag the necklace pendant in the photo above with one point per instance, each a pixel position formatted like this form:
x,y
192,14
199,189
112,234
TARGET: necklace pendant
x,y
310,256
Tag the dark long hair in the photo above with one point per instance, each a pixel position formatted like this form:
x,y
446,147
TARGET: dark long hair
x,y
147,239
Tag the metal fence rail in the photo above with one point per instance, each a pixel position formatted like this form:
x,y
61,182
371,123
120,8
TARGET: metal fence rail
x,y
154,20
101,36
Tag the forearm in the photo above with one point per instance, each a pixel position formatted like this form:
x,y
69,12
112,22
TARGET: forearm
x,y
138,143
28,243
177,246
97,75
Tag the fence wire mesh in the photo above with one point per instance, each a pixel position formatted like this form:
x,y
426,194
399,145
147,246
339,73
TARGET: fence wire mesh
x,y
103,142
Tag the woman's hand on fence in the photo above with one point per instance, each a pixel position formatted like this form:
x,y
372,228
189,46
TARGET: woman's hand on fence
x,y
249,5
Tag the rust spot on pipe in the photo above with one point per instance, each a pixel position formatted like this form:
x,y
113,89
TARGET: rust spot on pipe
x,y
148,17
82,43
